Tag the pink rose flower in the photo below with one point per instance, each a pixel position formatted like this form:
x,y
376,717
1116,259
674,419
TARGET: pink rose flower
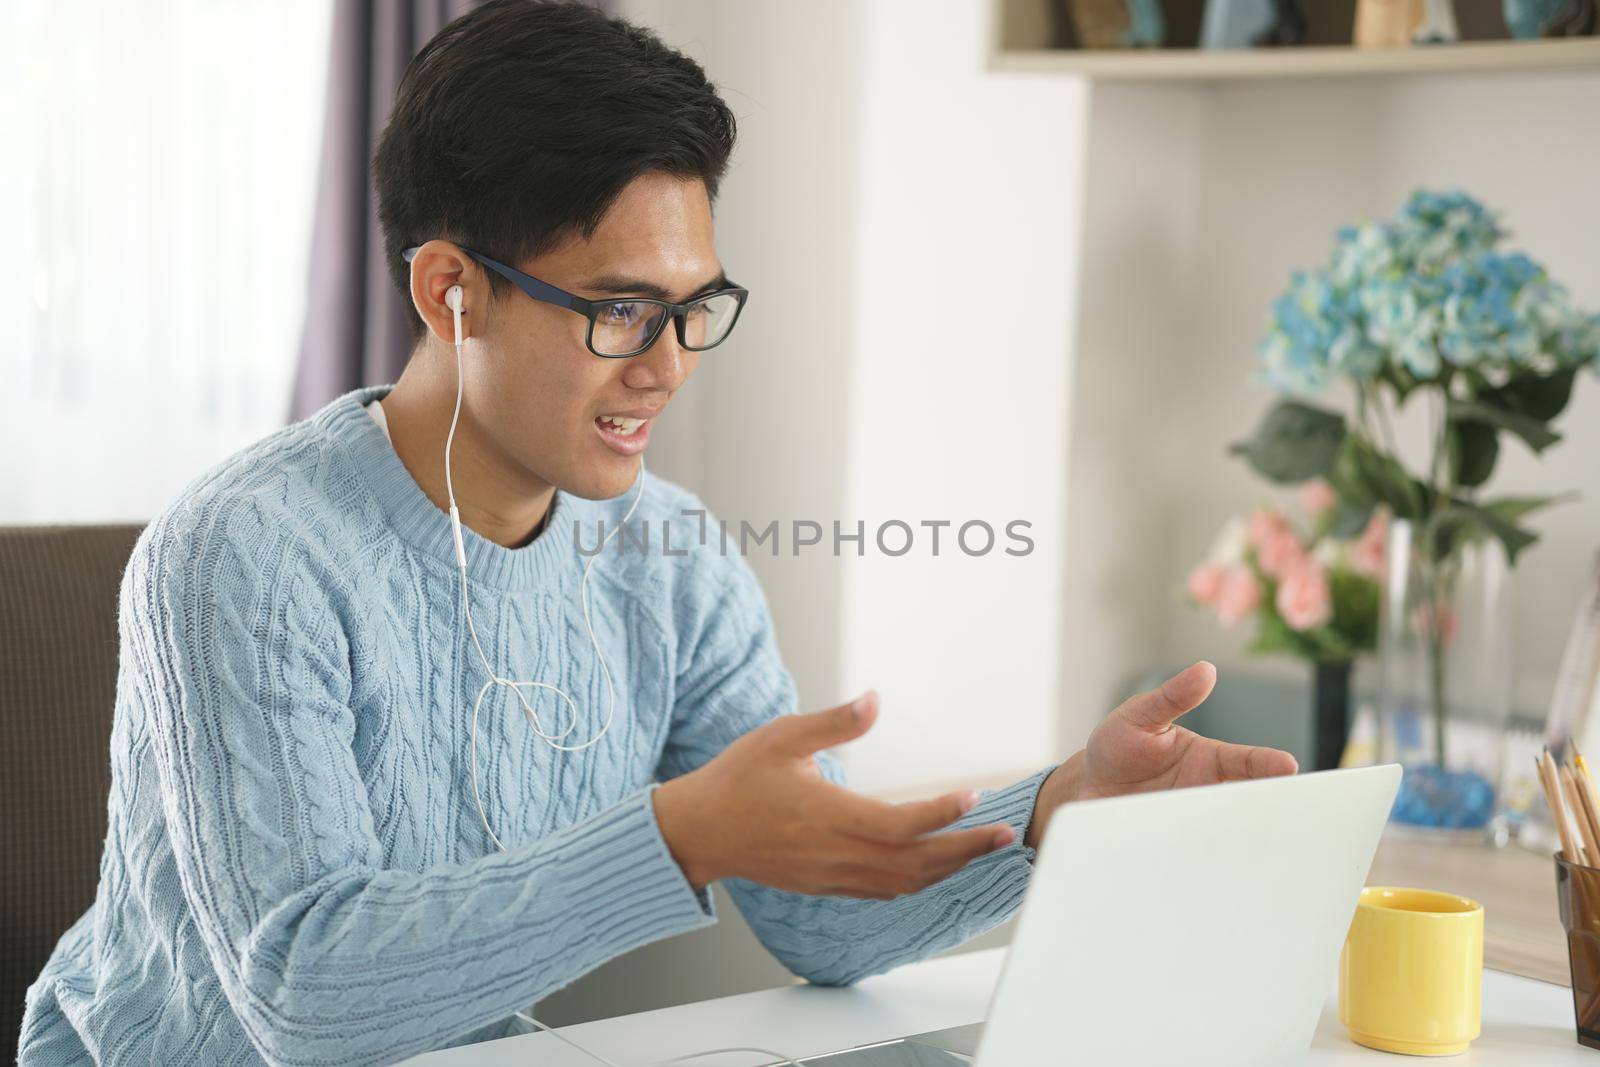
x,y
1238,597
1205,582
1265,523
1317,496
1303,598
1280,553
1370,552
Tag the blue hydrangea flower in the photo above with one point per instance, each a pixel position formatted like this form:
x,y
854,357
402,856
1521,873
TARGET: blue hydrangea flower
x,y
1418,291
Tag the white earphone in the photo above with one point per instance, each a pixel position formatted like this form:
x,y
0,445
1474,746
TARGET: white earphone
x,y
454,298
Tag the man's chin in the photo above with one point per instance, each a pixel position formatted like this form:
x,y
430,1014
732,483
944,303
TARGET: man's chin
x,y
609,480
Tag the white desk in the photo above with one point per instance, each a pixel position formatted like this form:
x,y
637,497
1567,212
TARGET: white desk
x,y
1525,1023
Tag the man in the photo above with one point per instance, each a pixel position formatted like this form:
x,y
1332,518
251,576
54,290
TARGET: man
x,y
333,838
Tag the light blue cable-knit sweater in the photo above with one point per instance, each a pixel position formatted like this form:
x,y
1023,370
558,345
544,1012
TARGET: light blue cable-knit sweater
x,y
294,868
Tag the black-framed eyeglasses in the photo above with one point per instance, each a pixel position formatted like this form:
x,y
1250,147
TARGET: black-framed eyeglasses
x,y
619,328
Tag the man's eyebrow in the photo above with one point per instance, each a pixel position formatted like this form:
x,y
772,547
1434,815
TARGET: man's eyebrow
x,y
624,285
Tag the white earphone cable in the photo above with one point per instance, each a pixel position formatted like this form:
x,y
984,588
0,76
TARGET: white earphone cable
x,y
553,1032
553,740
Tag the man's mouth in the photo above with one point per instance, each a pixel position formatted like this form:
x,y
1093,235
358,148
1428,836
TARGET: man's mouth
x,y
626,434
620,424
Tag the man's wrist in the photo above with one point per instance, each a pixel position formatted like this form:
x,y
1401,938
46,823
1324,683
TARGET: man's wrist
x,y
1061,787
674,807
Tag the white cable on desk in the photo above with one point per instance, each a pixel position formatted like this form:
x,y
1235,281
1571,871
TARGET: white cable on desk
x,y
525,1017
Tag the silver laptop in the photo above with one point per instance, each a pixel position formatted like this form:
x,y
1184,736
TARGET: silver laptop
x,y
1199,926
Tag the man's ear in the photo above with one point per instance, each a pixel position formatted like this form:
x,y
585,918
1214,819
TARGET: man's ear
x,y
438,267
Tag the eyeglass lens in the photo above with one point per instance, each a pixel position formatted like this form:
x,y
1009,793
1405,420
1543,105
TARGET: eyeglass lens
x,y
624,327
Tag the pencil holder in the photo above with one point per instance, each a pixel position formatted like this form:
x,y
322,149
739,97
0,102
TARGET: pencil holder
x,y
1578,896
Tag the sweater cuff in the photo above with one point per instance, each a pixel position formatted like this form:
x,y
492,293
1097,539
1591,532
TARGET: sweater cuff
x,y
662,855
1012,805
990,889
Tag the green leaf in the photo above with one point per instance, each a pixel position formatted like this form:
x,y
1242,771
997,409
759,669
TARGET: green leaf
x,y
1512,508
1466,522
1508,509
1538,396
1386,481
1346,474
1473,446
1355,609
1350,518
1353,627
1532,430
1294,443
1275,635
1328,643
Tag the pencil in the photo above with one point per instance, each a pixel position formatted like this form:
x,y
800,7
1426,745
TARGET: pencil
x,y
1583,764
1590,809
1591,805
1558,810
1589,846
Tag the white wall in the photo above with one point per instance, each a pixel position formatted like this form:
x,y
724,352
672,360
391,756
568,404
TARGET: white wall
x,y
970,189
1138,252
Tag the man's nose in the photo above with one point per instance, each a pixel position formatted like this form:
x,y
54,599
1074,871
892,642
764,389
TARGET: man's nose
x,y
661,366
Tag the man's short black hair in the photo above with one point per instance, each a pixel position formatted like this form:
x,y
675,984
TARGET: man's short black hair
x,y
518,124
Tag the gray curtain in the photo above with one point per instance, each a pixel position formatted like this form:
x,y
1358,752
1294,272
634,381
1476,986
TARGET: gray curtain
x,y
355,328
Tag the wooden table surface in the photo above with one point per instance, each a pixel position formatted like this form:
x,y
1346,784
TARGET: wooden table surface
x,y
1517,888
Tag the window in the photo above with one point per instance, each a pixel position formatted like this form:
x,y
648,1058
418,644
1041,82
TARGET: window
x,y
161,172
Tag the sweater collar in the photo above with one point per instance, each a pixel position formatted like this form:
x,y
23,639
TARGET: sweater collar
x,y
424,526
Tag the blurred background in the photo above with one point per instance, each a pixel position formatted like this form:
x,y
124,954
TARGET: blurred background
x,y
1009,259
992,280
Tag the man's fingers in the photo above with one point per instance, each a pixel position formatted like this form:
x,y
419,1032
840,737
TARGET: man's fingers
x,y
1252,761
1183,692
803,734
876,868
878,820
940,855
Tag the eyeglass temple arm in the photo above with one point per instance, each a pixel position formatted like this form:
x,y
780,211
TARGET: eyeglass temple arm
x,y
535,288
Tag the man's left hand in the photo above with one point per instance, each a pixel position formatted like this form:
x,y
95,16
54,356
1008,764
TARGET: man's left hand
x,y
1139,748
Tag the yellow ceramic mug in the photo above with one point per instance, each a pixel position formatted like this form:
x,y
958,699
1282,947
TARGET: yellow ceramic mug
x,y
1411,974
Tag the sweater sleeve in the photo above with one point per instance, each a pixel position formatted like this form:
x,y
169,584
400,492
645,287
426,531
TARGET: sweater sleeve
x,y
732,680
241,673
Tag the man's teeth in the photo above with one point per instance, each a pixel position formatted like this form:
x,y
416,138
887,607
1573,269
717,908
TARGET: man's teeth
x,y
622,424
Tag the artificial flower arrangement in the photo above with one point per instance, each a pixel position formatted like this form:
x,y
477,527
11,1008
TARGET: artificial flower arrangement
x,y
1310,593
1424,306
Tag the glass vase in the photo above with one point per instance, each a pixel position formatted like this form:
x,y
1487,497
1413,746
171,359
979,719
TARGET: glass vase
x,y
1444,679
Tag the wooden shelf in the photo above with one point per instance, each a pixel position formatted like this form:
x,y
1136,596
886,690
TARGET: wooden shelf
x,y
1197,65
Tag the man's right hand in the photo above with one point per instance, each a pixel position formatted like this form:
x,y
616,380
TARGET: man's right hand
x,y
761,810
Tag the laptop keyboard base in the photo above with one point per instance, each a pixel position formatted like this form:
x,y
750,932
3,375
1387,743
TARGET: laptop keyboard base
x,y
954,1047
